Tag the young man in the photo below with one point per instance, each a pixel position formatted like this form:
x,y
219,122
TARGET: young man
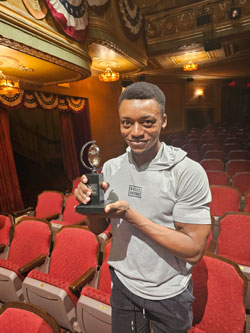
x,y
160,222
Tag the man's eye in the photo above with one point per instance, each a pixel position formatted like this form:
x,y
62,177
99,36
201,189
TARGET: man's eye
x,y
126,123
148,122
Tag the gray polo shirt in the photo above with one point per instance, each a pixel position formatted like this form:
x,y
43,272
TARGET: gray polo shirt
x,y
170,188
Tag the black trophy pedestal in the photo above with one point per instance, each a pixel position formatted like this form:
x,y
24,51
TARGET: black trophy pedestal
x,y
90,208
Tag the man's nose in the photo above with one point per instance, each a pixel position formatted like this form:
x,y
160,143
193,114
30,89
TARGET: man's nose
x,y
137,130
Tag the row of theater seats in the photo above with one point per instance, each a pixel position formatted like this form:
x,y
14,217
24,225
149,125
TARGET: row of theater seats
x,y
50,271
54,206
70,279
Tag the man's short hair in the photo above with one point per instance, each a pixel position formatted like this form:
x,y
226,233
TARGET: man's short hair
x,y
144,90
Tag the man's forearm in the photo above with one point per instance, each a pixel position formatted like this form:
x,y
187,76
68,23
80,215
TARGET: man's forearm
x,y
187,245
96,223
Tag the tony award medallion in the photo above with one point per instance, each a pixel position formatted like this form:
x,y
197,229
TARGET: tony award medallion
x,y
96,204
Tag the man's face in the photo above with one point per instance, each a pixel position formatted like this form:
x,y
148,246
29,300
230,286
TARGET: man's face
x,y
141,122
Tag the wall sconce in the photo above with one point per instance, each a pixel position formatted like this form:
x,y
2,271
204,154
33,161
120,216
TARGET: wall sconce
x,y
199,92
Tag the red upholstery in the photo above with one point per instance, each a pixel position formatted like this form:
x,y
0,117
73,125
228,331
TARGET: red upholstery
x,y
216,177
234,238
20,321
11,267
238,155
234,166
241,181
5,228
31,238
212,164
75,250
218,289
49,203
75,183
69,215
209,146
194,155
226,147
224,199
102,294
214,154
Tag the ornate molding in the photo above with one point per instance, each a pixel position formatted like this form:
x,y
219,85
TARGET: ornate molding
x,y
174,24
82,73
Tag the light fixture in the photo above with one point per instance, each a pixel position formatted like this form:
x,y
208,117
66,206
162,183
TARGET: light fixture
x,y
109,75
199,92
190,67
7,86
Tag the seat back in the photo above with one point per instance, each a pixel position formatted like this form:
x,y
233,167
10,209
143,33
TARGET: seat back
x,y
233,241
104,275
75,183
220,292
241,181
224,199
6,228
75,250
238,155
20,317
216,177
214,154
69,215
226,147
49,204
212,164
234,166
209,146
31,238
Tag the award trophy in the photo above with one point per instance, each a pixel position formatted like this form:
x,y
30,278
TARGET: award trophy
x,y
96,204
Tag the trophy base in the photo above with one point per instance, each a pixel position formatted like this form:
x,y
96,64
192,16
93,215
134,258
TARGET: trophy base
x,y
92,208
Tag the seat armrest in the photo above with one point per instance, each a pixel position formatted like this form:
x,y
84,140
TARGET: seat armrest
x,y
247,328
23,212
2,247
32,264
82,280
212,246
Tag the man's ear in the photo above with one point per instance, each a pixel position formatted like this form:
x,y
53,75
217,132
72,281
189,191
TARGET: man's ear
x,y
164,121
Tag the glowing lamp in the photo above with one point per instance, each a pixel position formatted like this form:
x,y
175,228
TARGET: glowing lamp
x,y
109,75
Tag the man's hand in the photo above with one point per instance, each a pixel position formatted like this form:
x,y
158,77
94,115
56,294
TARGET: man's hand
x,y
118,209
83,192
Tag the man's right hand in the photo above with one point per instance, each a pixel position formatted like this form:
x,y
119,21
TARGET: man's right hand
x,y
83,192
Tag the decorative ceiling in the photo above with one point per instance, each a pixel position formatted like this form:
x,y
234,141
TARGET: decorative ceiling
x,y
172,34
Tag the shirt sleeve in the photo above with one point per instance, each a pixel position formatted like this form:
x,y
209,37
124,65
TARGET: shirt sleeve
x,y
193,195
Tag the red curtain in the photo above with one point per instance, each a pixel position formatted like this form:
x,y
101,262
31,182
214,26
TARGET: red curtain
x,y
10,194
70,158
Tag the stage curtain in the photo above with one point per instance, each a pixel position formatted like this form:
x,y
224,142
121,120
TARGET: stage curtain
x,y
10,194
70,158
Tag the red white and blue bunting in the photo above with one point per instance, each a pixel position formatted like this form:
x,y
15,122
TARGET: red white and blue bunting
x,y
71,15
131,17
33,100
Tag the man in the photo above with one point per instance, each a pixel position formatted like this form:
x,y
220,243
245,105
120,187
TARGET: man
x,y
160,222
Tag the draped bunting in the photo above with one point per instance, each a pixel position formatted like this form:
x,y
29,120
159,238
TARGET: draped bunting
x,y
32,100
132,18
71,15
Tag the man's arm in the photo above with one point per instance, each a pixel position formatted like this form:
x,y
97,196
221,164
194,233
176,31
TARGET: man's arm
x,y
97,223
187,241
